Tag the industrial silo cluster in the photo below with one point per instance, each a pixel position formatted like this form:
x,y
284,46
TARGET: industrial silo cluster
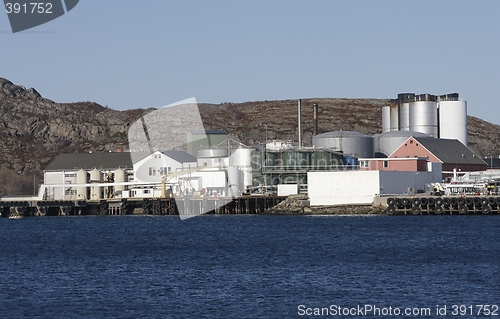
x,y
440,116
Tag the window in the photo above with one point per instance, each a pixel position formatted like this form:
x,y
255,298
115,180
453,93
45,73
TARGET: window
x,y
364,164
386,164
147,191
150,171
169,169
411,141
70,175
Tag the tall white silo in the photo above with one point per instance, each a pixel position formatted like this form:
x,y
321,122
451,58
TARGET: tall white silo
x,y
95,191
423,117
394,117
81,178
453,120
119,178
404,116
242,159
386,118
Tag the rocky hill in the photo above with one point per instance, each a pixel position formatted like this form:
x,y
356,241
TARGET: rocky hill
x,y
36,129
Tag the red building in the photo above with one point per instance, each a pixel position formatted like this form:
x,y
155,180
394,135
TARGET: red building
x,y
451,153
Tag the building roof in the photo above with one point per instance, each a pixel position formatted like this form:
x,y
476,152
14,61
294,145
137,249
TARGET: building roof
x,y
90,160
204,132
180,156
450,151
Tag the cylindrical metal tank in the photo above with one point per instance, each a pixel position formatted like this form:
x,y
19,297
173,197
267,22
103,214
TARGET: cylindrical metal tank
x,y
386,118
212,153
241,157
423,117
390,141
453,120
95,191
81,178
234,181
247,177
119,178
404,116
95,175
350,143
394,117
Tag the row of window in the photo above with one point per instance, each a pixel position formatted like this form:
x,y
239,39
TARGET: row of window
x,y
161,171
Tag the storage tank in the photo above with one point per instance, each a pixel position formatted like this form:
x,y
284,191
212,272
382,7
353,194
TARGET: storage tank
x,y
234,181
81,178
423,117
404,116
394,115
388,142
350,143
247,177
119,178
453,120
241,157
386,118
95,191
212,153
95,175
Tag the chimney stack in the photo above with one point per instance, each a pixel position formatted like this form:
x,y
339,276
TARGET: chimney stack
x,y
300,127
315,118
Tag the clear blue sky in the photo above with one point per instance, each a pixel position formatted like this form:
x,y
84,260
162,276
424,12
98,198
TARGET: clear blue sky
x,y
130,53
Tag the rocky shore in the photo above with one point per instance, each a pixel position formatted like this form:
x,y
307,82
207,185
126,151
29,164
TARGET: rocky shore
x,y
299,205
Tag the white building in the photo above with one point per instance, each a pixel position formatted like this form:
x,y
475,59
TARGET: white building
x,y
68,169
361,187
153,167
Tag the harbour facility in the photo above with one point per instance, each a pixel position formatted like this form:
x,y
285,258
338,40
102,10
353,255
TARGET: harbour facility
x,y
419,147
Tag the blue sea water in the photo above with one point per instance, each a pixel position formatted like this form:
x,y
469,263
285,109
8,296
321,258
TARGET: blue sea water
x,y
235,266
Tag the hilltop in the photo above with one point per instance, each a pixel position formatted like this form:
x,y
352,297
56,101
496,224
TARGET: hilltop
x,y
36,129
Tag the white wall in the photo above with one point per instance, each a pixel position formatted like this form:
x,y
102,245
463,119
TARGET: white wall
x,y
360,187
345,187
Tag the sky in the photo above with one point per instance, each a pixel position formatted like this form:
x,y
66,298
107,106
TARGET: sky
x,y
128,54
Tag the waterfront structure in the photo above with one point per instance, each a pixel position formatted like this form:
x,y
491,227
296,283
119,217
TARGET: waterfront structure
x,y
80,168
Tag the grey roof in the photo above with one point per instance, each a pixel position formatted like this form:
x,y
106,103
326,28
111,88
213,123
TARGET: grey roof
x,y
450,151
90,160
180,156
213,132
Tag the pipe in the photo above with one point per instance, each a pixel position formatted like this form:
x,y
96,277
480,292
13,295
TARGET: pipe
x,y
315,118
300,127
